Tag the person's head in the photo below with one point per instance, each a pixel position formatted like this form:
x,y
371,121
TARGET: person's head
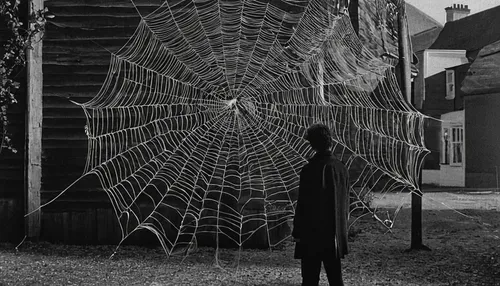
x,y
319,136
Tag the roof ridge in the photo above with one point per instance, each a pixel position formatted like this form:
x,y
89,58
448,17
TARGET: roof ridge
x,y
475,15
470,33
426,31
428,17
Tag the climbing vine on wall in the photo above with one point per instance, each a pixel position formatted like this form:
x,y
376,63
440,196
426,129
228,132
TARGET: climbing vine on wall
x,y
20,37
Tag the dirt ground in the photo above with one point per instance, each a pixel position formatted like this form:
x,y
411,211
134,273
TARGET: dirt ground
x,y
437,199
464,251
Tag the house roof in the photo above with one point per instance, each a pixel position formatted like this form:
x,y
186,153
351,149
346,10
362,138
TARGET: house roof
x,y
419,22
470,33
458,66
423,29
424,40
484,73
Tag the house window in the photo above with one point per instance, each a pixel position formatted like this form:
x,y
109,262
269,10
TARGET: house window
x,y
457,146
445,155
450,84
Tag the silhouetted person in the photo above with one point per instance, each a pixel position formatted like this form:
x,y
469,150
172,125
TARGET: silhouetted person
x,y
320,222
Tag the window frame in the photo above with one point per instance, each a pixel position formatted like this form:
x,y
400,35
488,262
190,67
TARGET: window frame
x,y
456,139
450,84
445,146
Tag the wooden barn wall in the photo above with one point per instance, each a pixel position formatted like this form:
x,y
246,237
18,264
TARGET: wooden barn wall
x,y
12,164
481,89
76,54
482,140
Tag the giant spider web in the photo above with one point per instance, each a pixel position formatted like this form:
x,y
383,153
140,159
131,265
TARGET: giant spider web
x,y
197,132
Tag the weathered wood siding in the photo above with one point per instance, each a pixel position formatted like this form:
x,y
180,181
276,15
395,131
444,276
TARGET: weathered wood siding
x,y
482,140
482,120
484,73
12,164
77,48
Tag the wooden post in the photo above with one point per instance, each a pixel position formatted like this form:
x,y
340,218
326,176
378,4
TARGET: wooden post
x,y
405,68
33,148
404,52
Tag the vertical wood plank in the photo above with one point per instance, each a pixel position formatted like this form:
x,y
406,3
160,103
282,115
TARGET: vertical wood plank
x,y
11,220
33,170
77,227
66,224
90,227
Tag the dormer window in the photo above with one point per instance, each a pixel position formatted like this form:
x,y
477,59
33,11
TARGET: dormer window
x,y
450,84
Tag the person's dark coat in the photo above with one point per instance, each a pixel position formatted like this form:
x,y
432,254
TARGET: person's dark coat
x,y
322,208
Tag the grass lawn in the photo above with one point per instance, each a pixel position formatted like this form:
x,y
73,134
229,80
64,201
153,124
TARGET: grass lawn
x,y
465,251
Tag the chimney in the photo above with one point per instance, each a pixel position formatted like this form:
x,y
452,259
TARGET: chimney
x,y
456,12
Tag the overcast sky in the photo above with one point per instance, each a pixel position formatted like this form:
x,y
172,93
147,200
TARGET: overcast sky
x,y
435,8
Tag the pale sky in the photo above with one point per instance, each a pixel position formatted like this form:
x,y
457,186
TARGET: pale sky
x,y
435,8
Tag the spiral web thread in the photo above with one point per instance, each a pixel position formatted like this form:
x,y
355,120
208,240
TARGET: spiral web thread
x,y
197,132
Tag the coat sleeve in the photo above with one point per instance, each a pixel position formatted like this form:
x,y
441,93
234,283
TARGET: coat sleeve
x,y
298,219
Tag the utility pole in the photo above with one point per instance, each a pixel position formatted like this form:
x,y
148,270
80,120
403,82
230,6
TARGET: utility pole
x,y
404,52
405,69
